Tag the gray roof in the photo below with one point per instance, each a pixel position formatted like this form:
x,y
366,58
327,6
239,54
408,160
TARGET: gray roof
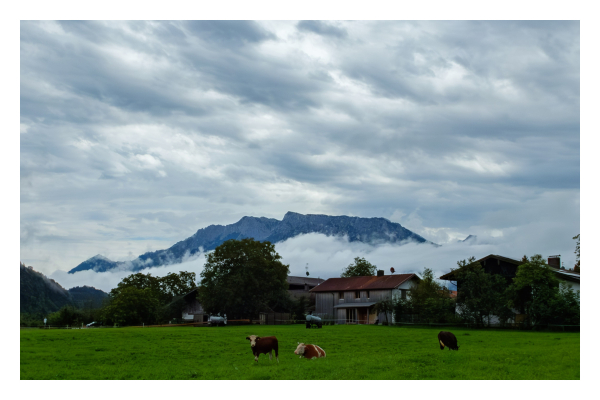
x,y
301,280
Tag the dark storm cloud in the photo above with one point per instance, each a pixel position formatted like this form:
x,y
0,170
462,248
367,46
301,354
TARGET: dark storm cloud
x,y
229,32
154,129
322,28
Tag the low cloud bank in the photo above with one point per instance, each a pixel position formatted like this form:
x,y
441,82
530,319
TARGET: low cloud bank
x,y
328,256
110,279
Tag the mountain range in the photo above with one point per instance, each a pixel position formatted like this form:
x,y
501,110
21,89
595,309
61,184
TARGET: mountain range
x,y
368,230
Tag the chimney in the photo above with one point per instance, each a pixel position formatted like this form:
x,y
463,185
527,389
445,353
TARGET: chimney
x,y
380,272
554,261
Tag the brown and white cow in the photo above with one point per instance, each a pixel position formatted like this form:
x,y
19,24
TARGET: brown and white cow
x,y
264,345
309,351
447,339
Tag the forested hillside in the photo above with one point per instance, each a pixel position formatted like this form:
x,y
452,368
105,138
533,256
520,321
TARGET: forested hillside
x,y
87,296
39,294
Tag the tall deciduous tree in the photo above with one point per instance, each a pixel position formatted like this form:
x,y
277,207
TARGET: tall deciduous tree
x,y
241,278
360,267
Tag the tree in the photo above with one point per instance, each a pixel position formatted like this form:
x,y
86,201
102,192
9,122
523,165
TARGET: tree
x,y
534,290
132,306
384,306
143,298
299,307
565,307
428,301
577,264
361,267
164,288
241,278
480,295
67,315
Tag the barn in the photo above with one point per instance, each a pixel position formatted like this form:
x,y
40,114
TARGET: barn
x,y
300,286
193,311
351,300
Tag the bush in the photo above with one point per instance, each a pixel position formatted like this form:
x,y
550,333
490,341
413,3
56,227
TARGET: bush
x,y
68,315
28,320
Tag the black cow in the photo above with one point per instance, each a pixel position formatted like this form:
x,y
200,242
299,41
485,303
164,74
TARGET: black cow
x,y
447,339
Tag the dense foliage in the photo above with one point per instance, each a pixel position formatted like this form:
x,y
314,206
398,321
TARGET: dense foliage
x,y
242,278
299,308
73,316
480,295
42,297
39,294
360,267
87,297
428,301
146,299
536,292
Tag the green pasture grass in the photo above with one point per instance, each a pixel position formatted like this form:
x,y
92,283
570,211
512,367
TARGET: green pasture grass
x,y
353,352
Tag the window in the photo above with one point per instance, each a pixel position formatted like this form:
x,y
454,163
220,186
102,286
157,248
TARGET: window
x,y
368,294
341,295
403,294
357,294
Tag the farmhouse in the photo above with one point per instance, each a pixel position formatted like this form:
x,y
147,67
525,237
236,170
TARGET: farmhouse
x,y
351,300
507,267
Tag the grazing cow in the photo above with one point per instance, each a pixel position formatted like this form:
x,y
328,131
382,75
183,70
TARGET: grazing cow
x,y
309,351
447,339
264,345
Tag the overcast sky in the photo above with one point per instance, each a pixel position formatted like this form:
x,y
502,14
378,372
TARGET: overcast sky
x,y
136,134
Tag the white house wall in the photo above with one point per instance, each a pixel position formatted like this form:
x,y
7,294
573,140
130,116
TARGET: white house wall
x,y
574,285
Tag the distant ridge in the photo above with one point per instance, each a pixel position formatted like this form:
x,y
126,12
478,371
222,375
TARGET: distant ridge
x,y
368,230
41,295
468,238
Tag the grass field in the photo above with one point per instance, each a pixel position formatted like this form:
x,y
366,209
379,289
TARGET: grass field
x,y
353,352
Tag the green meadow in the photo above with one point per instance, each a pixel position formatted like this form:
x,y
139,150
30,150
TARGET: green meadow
x,y
353,352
